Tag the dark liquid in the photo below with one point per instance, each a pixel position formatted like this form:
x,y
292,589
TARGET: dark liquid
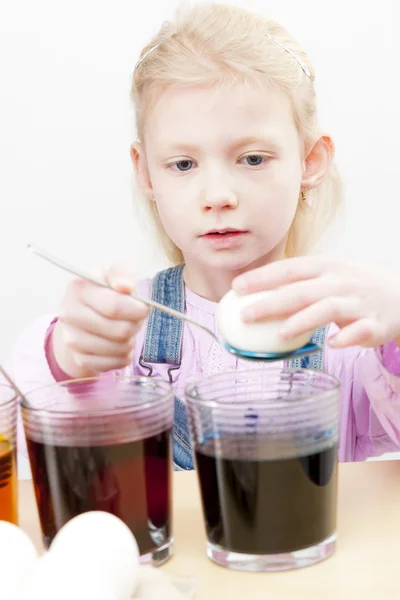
x,y
268,506
131,481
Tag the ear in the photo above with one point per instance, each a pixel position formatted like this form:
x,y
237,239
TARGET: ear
x,y
141,169
318,162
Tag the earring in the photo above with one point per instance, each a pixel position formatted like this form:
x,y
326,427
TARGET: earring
x,y
305,198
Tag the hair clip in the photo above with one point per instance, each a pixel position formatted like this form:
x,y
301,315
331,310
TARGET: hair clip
x,y
139,62
296,58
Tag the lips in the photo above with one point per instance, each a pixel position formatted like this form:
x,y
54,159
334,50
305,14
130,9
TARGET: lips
x,y
224,239
223,232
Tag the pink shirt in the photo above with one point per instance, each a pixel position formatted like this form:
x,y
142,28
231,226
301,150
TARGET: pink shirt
x,y
370,378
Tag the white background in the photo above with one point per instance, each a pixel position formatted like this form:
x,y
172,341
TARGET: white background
x,y
66,127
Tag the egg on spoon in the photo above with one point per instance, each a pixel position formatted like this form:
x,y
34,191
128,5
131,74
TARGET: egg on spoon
x,y
260,337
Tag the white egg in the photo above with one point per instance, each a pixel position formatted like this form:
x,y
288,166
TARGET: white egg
x,y
17,557
52,578
99,540
252,337
39,574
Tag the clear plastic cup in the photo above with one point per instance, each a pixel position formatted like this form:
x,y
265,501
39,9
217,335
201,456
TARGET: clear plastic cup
x,y
104,443
265,444
8,455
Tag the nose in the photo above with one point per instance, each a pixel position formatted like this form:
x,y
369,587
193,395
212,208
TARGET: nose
x,y
219,195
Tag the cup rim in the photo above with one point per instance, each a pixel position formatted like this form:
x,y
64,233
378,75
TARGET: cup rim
x,y
212,403
30,408
10,401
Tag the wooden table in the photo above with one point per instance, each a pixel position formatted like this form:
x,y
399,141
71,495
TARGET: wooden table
x,y
366,561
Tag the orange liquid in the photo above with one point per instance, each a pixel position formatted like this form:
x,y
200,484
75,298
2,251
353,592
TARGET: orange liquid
x,y
8,483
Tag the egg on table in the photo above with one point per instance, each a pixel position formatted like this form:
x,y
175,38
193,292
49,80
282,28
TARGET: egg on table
x,y
54,579
99,541
263,336
17,557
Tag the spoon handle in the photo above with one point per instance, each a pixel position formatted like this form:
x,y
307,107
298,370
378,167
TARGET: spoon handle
x,y
75,271
12,383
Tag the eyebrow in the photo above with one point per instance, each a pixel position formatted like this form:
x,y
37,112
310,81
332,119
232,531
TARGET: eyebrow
x,y
250,140
244,141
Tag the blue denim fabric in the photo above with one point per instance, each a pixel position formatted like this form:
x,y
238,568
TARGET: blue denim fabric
x,y
312,361
163,344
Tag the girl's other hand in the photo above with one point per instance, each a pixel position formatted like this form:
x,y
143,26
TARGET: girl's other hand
x,y
96,328
309,292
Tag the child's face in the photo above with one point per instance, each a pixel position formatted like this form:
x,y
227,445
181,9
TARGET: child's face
x,y
218,159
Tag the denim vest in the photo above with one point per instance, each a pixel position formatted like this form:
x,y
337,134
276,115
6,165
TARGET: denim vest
x,y
163,344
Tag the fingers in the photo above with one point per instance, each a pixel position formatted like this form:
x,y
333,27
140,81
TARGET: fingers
x,y
121,278
359,333
112,305
83,342
85,319
97,326
105,302
341,311
292,298
92,364
281,273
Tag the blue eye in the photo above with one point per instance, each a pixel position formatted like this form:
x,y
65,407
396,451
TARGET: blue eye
x,y
184,165
254,160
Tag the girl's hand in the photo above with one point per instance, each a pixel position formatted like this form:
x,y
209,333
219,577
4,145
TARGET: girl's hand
x,y
96,328
314,291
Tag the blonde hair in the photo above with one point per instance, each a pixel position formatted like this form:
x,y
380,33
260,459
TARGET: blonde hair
x,y
222,44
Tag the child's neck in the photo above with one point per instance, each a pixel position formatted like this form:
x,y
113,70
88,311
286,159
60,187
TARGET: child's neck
x,y
212,284
209,287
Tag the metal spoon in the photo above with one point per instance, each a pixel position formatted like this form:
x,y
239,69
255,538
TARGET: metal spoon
x,y
13,385
309,348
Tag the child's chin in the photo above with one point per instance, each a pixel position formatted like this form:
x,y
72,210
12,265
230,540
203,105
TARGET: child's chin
x,y
230,262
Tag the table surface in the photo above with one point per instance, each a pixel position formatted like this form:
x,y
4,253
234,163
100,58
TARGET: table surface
x,y
366,560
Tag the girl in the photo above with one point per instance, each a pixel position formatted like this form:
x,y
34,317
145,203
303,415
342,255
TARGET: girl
x,y
240,182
